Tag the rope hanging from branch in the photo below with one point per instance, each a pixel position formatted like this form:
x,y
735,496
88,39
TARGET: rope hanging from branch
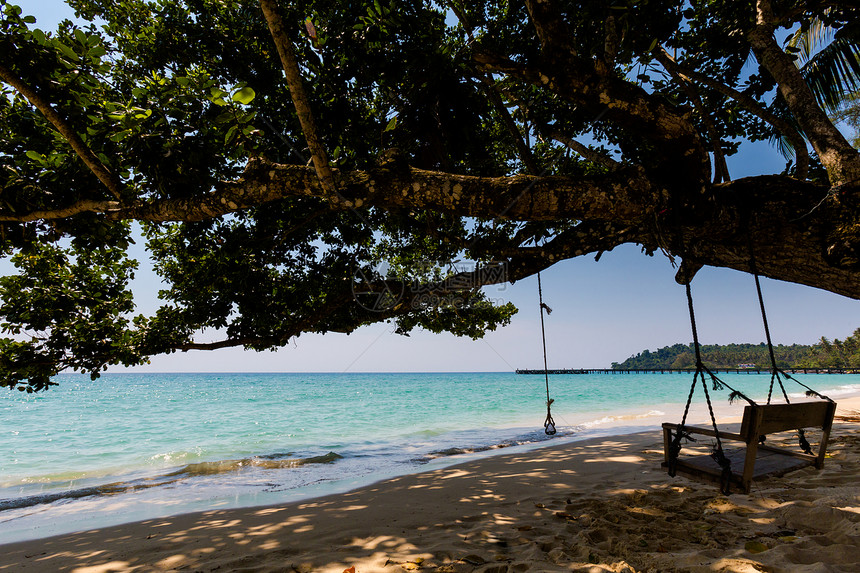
x,y
701,370
777,374
549,423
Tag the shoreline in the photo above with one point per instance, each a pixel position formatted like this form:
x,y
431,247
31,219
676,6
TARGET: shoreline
x,y
143,498
602,503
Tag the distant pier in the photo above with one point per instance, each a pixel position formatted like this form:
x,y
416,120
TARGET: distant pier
x,y
688,370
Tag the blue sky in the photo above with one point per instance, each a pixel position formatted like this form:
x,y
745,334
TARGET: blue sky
x,y
602,311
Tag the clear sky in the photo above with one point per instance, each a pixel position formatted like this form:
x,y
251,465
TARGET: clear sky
x,y
602,311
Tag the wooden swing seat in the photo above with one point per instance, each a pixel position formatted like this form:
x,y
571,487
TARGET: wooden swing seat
x,y
755,460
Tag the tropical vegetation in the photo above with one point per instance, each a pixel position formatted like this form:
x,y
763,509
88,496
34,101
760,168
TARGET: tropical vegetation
x,y
823,354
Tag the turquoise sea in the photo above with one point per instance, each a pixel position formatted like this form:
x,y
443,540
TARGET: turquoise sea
x,y
138,446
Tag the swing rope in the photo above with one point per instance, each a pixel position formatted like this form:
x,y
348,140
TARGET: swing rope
x,y
680,433
549,423
776,373
774,369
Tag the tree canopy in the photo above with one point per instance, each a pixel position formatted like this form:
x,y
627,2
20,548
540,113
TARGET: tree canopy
x,y
316,166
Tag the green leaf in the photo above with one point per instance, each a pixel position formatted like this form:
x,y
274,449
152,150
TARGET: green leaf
x,y
121,135
67,51
244,96
392,123
231,134
35,156
223,117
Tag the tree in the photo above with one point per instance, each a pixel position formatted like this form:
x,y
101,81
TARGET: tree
x,y
317,166
829,61
684,360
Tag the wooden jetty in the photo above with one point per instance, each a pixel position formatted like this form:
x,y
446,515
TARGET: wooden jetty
x,y
687,370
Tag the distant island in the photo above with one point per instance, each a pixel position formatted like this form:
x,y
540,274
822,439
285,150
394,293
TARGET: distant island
x,y
823,354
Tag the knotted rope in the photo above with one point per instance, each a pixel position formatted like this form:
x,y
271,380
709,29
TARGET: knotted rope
x,y
549,423
680,433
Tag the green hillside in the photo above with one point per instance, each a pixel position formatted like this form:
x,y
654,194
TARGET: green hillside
x,y
823,354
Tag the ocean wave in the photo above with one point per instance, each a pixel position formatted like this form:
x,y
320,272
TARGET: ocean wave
x,y
174,457
622,418
458,451
107,489
845,390
262,462
186,472
474,449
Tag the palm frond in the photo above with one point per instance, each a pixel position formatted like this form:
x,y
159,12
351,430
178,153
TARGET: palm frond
x,y
780,109
834,72
808,37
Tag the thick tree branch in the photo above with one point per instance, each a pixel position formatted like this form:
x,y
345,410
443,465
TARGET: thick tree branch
x,y
225,343
610,43
583,239
840,159
618,195
300,99
86,206
792,227
622,206
782,210
748,103
108,178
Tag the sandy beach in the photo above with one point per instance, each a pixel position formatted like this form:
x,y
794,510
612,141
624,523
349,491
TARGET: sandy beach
x,y
597,505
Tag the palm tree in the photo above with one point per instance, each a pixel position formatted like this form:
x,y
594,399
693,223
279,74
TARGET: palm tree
x,y
829,60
